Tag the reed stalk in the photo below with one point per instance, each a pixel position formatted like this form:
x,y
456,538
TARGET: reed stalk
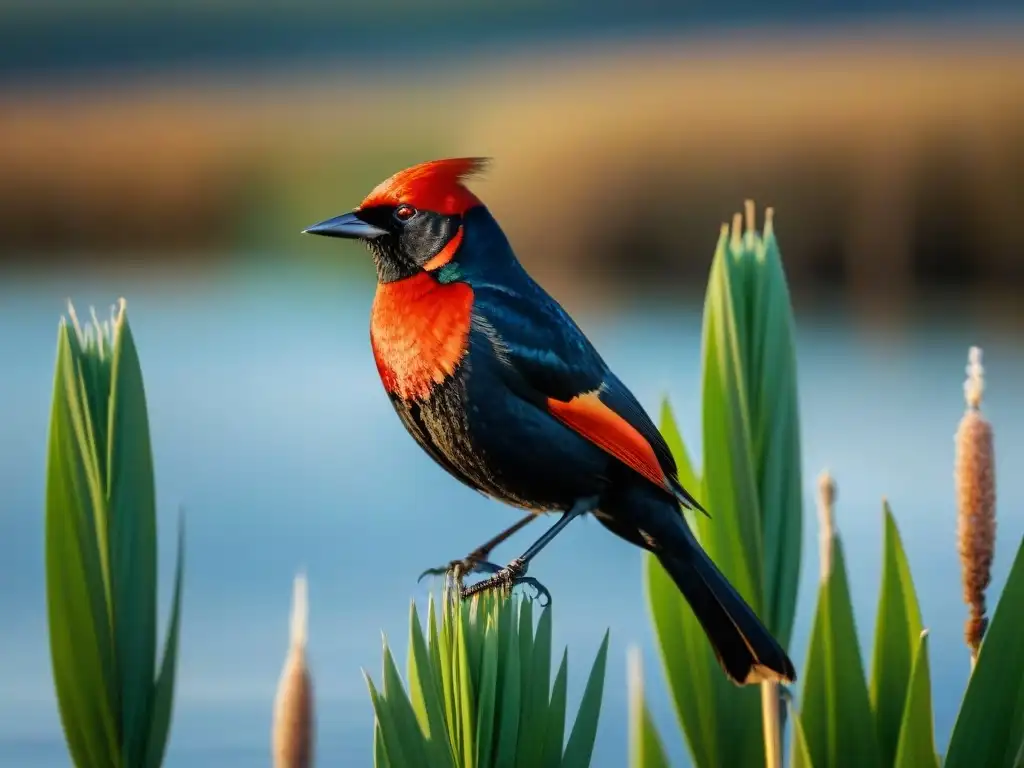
x,y
292,735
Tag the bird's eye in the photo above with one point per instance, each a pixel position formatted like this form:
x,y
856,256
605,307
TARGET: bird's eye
x,y
404,212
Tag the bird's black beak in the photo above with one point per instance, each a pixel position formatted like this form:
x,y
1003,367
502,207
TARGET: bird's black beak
x,y
348,225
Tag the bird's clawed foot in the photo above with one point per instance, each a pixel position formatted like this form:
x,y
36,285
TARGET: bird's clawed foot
x,y
512,575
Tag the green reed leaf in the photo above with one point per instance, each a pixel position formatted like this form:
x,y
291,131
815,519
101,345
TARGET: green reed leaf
x,y
729,477
554,731
511,682
162,700
467,700
915,746
380,756
584,730
989,728
131,511
390,733
488,696
425,694
897,640
775,430
534,715
800,754
81,643
836,713
396,700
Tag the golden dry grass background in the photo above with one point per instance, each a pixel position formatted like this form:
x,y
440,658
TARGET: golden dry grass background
x,y
885,158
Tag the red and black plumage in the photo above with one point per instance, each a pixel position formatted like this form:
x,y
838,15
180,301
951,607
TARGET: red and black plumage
x,y
502,389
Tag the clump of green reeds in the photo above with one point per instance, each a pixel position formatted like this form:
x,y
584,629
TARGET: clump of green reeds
x,y
101,553
478,691
750,483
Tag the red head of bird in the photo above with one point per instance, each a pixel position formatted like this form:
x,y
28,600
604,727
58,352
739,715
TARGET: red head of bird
x,y
412,222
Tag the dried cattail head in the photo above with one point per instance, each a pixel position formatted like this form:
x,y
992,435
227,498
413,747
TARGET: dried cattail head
x,y
826,520
976,502
292,738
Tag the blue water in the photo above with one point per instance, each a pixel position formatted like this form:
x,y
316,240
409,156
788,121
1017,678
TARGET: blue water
x,y
270,429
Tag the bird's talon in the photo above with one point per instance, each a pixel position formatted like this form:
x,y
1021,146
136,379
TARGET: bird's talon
x,y
456,570
434,572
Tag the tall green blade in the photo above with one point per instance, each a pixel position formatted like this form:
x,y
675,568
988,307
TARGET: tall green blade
x,y
836,713
81,643
436,663
380,755
393,748
733,536
813,718
510,685
424,692
162,697
403,718
800,754
989,729
775,433
527,716
131,510
467,698
487,699
554,731
584,731
449,692
535,706
897,637
916,742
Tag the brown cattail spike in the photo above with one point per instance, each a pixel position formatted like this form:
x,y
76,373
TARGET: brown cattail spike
x,y
826,520
976,503
292,739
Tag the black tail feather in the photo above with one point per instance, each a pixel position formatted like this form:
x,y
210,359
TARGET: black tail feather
x,y
744,647
642,515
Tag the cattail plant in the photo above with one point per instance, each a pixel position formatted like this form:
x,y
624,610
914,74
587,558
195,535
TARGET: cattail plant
x,y
292,737
976,503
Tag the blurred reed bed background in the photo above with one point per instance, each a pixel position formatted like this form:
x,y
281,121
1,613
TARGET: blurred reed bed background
x,y
895,153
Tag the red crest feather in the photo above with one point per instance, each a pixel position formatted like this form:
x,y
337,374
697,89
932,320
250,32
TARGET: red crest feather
x,y
436,185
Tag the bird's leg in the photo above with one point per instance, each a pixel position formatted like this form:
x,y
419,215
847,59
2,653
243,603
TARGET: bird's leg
x,y
515,572
475,559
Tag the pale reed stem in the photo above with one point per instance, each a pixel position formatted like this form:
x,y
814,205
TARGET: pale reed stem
x,y
292,737
826,520
772,724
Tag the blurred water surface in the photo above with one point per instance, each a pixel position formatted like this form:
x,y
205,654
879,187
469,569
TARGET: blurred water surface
x,y
270,429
